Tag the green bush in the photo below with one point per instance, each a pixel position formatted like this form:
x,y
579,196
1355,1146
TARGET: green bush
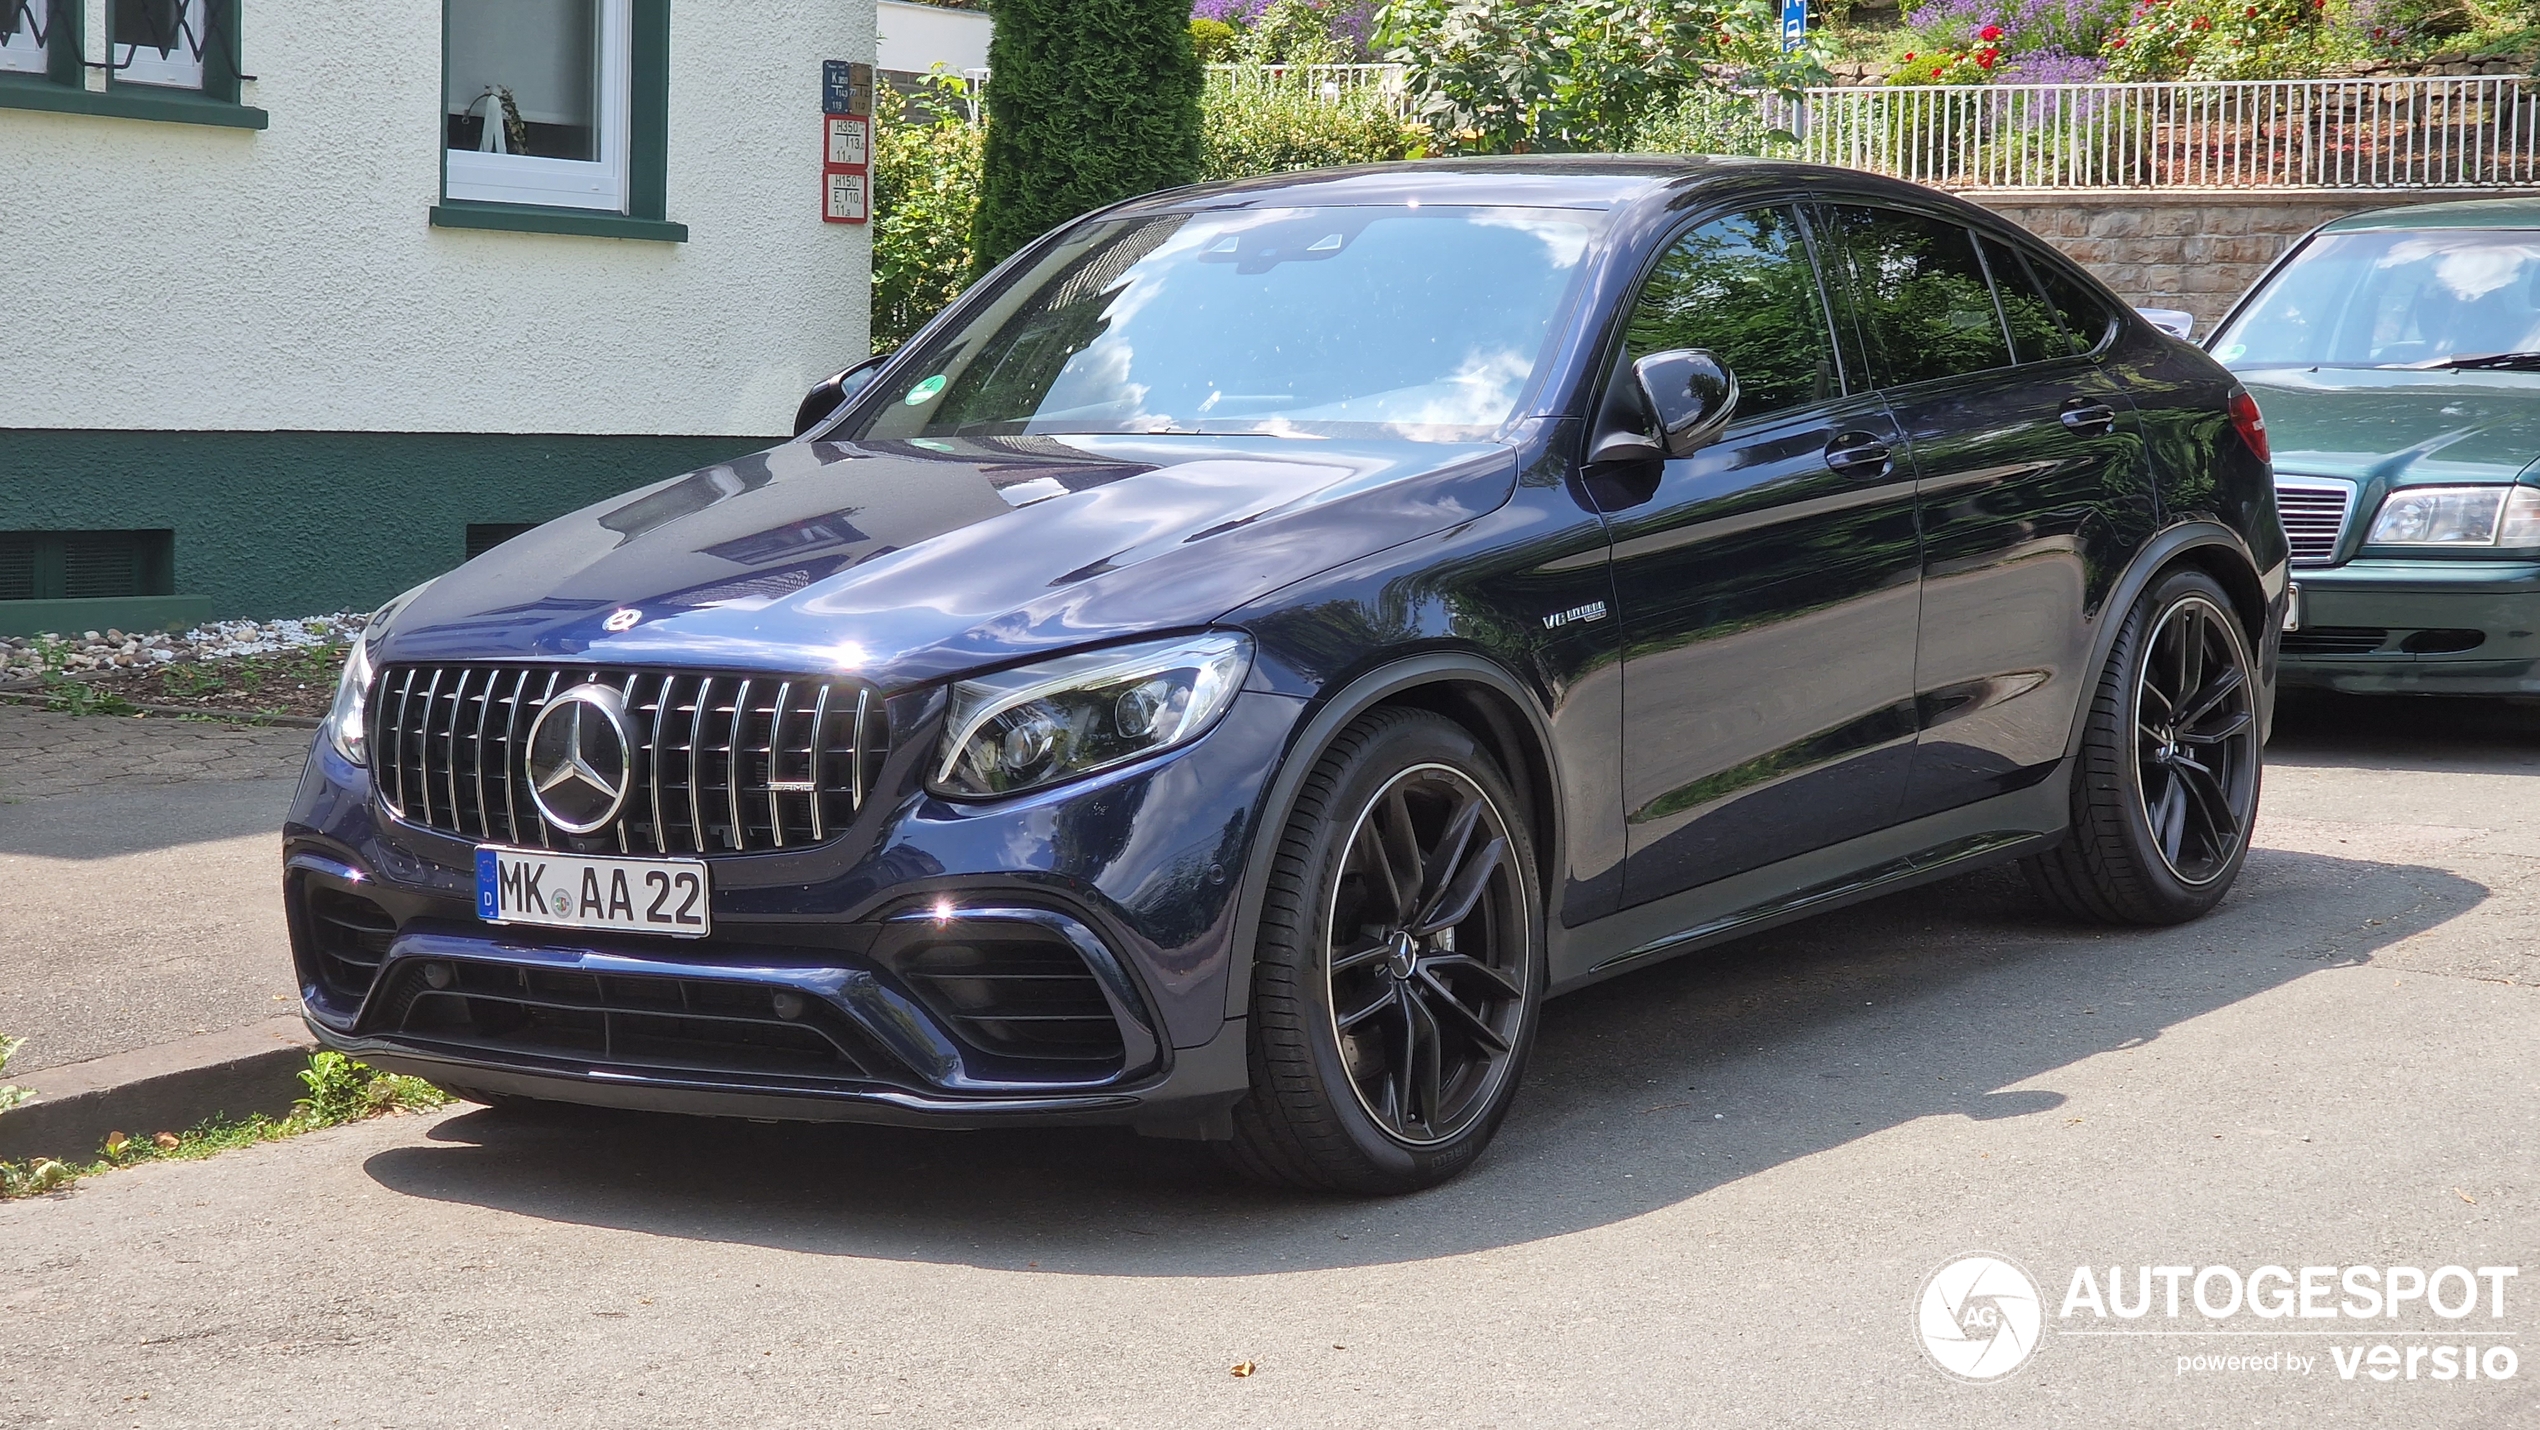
x,y
1707,122
925,194
1527,76
1213,40
1272,129
1094,101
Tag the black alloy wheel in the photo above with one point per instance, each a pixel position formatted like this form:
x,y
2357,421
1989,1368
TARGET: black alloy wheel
x,y
2196,733
2165,788
1400,968
1426,1030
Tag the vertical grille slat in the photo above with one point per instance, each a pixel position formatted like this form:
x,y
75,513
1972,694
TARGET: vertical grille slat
x,y
783,744
811,757
696,766
775,745
450,749
2314,511
732,763
511,759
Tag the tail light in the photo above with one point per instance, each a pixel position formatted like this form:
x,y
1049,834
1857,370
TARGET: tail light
x,y
2249,422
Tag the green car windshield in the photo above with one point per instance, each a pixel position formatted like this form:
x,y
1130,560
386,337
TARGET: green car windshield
x,y
2394,298
1424,322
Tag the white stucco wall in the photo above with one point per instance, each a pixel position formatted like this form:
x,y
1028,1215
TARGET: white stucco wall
x,y
168,276
916,38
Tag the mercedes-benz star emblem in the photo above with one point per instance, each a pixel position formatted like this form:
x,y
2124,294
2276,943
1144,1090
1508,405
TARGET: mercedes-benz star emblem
x,y
578,758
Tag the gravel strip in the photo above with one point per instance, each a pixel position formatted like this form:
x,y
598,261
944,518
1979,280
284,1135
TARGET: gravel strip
x,y
33,657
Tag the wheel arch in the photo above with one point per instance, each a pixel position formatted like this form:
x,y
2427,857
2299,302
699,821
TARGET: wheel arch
x,y
2207,546
1473,691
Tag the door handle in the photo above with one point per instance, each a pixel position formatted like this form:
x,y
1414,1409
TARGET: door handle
x,y
2089,419
1859,454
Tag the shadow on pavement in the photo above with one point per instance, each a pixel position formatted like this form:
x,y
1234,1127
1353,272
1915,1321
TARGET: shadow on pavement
x,y
1960,1000
135,821
2406,732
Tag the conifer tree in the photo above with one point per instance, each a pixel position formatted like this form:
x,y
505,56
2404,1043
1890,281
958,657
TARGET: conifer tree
x,y
1089,102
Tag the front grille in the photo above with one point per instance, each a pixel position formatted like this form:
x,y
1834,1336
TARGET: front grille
x,y
350,936
699,1025
2335,640
722,763
2314,513
1017,993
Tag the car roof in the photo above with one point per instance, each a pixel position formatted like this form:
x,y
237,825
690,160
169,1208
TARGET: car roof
x,y
2467,213
1583,181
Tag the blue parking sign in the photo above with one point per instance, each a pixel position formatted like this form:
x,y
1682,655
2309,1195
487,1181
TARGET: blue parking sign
x,y
1794,23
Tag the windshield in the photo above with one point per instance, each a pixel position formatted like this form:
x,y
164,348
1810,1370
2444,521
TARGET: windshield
x,y
2394,299
1402,321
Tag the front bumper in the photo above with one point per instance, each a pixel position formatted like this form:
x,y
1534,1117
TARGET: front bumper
x,y
1047,960
2433,627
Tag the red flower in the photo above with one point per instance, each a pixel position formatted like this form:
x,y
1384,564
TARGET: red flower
x,y
1935,71
1989,33
2118,43
1985,60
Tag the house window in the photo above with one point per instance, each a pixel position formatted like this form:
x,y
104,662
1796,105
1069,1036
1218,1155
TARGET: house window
x,y
26,30
536,100
159,42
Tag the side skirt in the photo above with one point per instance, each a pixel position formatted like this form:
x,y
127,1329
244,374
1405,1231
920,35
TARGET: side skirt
x,y
1937,846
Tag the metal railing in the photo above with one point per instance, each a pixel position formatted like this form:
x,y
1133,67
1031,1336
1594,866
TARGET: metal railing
x,y
1329,83
2451,132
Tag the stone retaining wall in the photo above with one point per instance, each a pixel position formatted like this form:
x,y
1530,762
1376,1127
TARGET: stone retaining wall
x,y
2197,251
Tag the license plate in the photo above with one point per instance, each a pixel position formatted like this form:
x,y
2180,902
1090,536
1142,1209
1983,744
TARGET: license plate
x,y
2293,607
578,891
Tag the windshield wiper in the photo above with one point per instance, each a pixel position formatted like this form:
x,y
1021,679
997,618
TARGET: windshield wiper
x,y
2502,362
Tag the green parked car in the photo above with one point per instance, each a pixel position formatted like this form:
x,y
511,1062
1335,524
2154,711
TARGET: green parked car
x,y
2396,358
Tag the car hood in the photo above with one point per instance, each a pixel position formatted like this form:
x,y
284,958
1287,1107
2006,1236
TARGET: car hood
x,y
2399,426
911,561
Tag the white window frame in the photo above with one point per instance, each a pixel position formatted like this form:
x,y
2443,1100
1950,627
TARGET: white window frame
x,y
22,53
178,68
472,176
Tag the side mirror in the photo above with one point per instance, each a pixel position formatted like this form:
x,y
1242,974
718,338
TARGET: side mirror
x,y
1687,392
2176,322
829,396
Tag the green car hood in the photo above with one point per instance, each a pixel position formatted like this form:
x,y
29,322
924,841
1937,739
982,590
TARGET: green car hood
x,y
2399,426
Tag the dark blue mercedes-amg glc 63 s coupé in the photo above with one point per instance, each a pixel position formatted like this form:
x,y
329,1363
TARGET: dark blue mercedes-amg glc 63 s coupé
x,y
1262,641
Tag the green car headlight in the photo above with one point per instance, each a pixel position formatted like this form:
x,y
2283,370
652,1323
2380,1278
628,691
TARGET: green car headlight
x,y
1022,729
2458,516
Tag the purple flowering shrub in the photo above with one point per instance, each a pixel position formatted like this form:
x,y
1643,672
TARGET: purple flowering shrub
x,y
2019,41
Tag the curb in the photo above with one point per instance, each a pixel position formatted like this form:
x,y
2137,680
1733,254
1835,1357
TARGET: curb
x,y
167,1088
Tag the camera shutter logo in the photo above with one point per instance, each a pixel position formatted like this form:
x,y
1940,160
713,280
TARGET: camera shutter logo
x,y
1979,1317
580,757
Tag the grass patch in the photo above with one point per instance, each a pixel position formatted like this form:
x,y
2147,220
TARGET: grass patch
x,y
340,1091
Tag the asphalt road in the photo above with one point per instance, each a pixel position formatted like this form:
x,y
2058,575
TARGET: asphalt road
x,y
1717,1202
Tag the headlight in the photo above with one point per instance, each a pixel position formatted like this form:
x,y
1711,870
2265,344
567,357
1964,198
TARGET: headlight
x,y
1021,729
348,724
2458,516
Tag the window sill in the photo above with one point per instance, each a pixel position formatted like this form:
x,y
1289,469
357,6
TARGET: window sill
x,y
528,218
169,108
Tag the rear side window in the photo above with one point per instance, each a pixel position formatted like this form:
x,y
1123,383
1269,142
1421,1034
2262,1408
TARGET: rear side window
x,y
2085,314
1742,286
2035,334
1921,294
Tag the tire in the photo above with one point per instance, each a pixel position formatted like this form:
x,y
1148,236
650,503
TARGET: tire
x,y
2161,806
1404,1087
